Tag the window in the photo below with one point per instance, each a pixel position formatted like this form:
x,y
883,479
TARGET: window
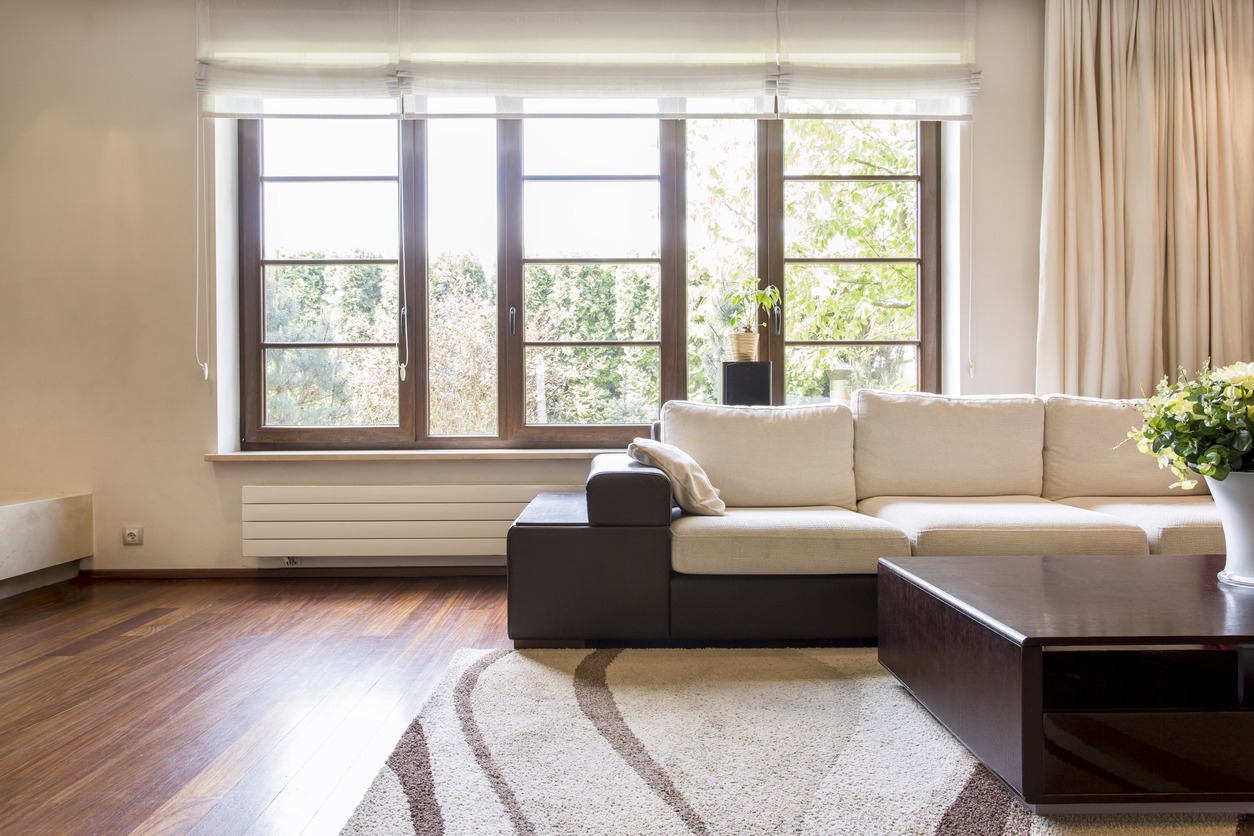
x,y
859,272
533,282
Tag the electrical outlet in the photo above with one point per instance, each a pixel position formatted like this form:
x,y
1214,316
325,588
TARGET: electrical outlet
x,y
291,561
133,536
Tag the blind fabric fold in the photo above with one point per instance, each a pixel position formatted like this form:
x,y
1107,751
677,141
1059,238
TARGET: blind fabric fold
x,y
916,53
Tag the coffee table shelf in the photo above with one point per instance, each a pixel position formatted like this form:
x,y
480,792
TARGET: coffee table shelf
x,y
1087,684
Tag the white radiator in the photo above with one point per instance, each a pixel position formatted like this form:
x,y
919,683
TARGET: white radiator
x,y
383,525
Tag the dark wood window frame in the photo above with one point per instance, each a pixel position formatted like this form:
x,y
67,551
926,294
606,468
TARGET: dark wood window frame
x,y
513,432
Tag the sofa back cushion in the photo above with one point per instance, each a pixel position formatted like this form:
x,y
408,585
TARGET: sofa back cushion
x,y
768,456
1080,459
914,444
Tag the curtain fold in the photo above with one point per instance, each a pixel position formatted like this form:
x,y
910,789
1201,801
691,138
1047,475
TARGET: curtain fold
x,y
1146,218
909,56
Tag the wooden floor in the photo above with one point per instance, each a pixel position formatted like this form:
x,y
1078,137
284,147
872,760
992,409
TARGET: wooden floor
x,y
218,706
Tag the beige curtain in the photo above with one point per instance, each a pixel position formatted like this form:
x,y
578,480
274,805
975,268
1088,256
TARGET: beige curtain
x,y
1147,216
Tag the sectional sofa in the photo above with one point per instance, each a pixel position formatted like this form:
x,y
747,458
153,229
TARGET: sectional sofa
x,y
816,495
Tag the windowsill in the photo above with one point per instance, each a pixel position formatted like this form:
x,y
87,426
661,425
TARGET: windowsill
x,y
407,455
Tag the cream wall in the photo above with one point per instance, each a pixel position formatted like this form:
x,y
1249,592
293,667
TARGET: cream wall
x,y
1007,144
99,387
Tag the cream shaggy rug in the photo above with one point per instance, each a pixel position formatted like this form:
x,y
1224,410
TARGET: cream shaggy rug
x,y
808,741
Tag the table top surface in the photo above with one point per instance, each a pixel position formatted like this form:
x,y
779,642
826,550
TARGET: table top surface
x,y
1067,600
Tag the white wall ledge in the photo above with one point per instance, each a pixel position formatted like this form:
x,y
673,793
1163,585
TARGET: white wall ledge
x,y
408,455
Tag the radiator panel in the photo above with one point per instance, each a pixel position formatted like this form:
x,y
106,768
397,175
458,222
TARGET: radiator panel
x,y
316,511
375,529
468,547
383,525
263,494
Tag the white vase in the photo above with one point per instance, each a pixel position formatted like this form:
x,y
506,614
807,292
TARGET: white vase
x,y
1234,497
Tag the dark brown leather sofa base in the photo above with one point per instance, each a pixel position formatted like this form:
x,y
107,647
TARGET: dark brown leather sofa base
x,y
726,608
588,583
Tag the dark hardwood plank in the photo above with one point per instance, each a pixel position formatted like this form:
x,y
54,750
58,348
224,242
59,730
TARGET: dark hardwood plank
x,y
219,706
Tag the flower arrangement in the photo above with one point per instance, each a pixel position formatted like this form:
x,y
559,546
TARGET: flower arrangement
x,y
745,299
1202,426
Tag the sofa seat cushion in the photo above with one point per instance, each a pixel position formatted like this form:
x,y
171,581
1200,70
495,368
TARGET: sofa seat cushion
x,y
812,540
1174,524
1009,525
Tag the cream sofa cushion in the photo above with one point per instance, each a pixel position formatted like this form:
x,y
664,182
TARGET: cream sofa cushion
x,y
784,541
766,456
1079,459
910,444
1174,524
1004,525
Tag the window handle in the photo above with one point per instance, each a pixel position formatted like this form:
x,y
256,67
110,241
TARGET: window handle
x,y
513,316
779,320
405,330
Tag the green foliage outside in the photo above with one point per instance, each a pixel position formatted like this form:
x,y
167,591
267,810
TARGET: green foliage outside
x,y
592,384
331,303
461,341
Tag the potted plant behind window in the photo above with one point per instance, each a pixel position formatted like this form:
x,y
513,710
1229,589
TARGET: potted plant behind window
x,y
746,299
1206,426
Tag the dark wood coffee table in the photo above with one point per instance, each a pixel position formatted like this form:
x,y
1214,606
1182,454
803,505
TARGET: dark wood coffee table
x,y
1087,684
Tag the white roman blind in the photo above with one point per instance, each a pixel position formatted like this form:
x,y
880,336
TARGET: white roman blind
x,y
598,49
740,56
334,49
912,56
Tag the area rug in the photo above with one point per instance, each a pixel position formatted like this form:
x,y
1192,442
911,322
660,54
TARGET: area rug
x,y
806,741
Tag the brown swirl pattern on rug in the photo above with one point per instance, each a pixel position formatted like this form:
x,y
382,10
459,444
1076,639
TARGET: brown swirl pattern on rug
x,y
597,703
411,761
474,738
981,809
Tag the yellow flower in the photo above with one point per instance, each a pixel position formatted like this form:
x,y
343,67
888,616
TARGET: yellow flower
x,y
1238,373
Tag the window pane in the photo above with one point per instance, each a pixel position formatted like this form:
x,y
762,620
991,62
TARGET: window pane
x,y
851,301
850,219
722,240
839,146
330,220
331,387
818,375
591,220
461,243
592,301
590,146
329,147
331,303
592,385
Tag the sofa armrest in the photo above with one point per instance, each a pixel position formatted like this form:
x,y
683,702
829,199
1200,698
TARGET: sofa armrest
x,y
622,491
